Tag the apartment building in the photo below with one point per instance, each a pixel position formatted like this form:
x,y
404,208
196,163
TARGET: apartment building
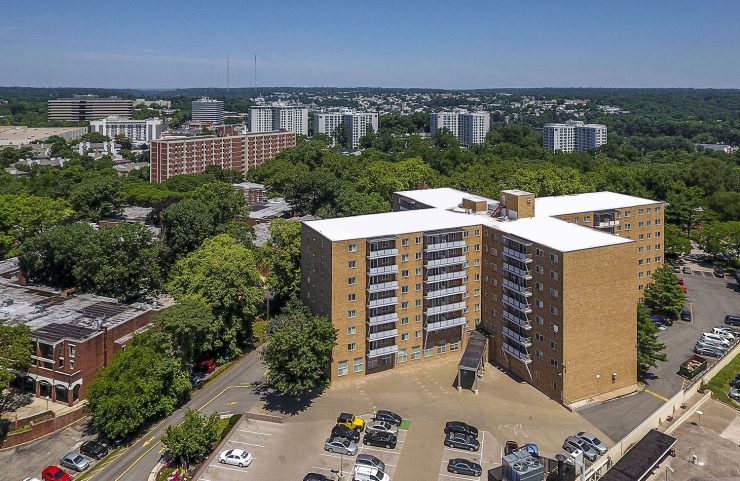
x,y
191,155
207,111
358,124
573,136
557,298
469,128
138,131
266,118
81,108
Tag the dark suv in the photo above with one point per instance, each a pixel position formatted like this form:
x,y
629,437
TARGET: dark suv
x,y
462,441
94,449
732,320
380,439
461,428
345,432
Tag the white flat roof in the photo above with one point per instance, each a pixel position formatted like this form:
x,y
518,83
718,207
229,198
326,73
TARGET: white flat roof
x,y
442,198
392,223
589,202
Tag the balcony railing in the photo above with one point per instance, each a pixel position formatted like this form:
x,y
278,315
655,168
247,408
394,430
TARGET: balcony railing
x,y
386,301
448,261
445,292
517,271
522,322
521,306
607,223
441,246
524,341
382,253
447,276
523,290
515,254
376,336
455,306
382,351
390,269
383,286
445,324
522,356
382,319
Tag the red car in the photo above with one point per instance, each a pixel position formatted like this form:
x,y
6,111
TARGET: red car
x,y
685,289
207,366
680,281
55,473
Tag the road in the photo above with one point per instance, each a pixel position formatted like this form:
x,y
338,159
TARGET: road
x,y
230,391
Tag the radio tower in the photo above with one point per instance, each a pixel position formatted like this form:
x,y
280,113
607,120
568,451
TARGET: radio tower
x,y
228,73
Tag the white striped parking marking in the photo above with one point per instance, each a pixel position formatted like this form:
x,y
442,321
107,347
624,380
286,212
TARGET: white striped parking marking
x,y
253,432
248,444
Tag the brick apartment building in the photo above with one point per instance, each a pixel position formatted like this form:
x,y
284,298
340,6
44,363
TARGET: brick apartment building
x,y
73,337
191,155
554,287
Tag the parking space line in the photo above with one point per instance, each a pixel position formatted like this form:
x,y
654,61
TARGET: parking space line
x,y
458,477
382,450
226,467
253,432
334,455
457,450
248,444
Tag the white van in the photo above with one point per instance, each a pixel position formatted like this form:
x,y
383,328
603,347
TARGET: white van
x,y
710,336
368,473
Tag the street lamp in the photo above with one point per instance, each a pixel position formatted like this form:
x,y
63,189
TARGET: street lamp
x,y
667,468
47,403
699,413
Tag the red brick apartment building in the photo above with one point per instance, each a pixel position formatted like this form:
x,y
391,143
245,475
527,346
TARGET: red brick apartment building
x,y
191,155
73,337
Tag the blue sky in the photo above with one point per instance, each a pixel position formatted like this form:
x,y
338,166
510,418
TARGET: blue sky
x,y
460,44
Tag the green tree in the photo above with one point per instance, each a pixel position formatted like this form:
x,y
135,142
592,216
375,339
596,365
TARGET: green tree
x,y
649,349
313,190
283,254
193,329
140,385
185,225
299,349
677,243
16,349
721,238
665,294
225,202
98,197
192,439
22,216
341,135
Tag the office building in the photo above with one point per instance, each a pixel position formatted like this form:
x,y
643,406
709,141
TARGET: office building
x,y
81,108
469,128
573,136
149,103
555,293
138,131
16,135
191,155
357,124
267,118
207,111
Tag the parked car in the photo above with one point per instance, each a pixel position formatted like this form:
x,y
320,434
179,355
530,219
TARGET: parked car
x,y
94,449
315,477
370,460
708,351
462,441
734,393
388,416
76,461
340,445
464,466
460,427
710,343
680,281
380,439
718,272
735,383
351,421
593,441
715,338
382,426
235,457
55,473
686,315
732,320
659,324
686,270
197,379
722,332
207,366
572,443
341,431
369,473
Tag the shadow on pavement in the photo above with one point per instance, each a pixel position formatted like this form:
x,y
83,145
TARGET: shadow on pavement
x,y
274,401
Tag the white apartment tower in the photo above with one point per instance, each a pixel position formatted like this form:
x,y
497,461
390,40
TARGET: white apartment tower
x,y
138,131
573,135
269,118
357,123
326,122
469,128
444,120
208,111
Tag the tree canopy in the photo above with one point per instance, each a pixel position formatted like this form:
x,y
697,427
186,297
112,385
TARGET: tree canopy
x,y
650,351
665,294
192,439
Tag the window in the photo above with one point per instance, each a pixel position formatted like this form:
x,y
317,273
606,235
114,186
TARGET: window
x,y
540,354
416,352
372,363
352,248
405,305
417,318
539,286
553,258
657,234
539,252
539,337
539,320
657,209
657,259
418,287
476,262
404,320
404,289
539,269
553,327
539,303
405,273
640,236
402,355
477,248
640,224
428,349
417,302
553,292
553,345
639,211
476,292
417,334
352,281
351,313
405,336
553,362
640,262
404,257
476,277
387,360
418,272
454,345
351,297
657,247
441,347
351,346
342,368
418,240
351,330
477,232
640,275
554,310
627,226
357,364
418,256
554,275
352,264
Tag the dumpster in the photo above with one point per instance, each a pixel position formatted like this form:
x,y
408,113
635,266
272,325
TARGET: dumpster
x,y
692,367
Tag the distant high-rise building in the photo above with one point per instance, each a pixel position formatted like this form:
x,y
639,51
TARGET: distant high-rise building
x,y
81,108
137,131
208,110
573,135
266,118
469,128
357,124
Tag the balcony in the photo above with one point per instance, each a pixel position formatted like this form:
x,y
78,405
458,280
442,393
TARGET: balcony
x,y
386,301
447,276
522,356
382,253
448,261
445,324
455,306
441,246
521,306
524,341
382,319
522,322
523,290
383,286
445,292
524,273
377,336
520,256
382,351
376,271
607,223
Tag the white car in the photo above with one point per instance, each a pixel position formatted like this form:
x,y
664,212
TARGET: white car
x,y
726,333
710,336
237,457
382,426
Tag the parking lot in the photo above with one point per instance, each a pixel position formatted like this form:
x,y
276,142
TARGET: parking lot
x,y
488,456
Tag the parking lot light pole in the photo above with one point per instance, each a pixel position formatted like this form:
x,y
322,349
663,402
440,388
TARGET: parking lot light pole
x,y
667,468
699,413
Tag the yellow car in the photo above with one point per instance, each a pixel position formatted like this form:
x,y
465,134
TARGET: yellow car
x,y
351,421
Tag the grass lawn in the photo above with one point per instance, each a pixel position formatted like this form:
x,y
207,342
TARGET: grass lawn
x,y
720,384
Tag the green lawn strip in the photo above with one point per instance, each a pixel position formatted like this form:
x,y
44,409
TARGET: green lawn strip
x,y
405,424
720,383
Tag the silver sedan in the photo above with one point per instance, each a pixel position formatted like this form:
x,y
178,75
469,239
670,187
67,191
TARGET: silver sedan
x,y
593,441
340,445
76,461
382,426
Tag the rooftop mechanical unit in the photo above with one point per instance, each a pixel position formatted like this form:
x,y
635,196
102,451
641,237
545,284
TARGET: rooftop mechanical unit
x,y
522,466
